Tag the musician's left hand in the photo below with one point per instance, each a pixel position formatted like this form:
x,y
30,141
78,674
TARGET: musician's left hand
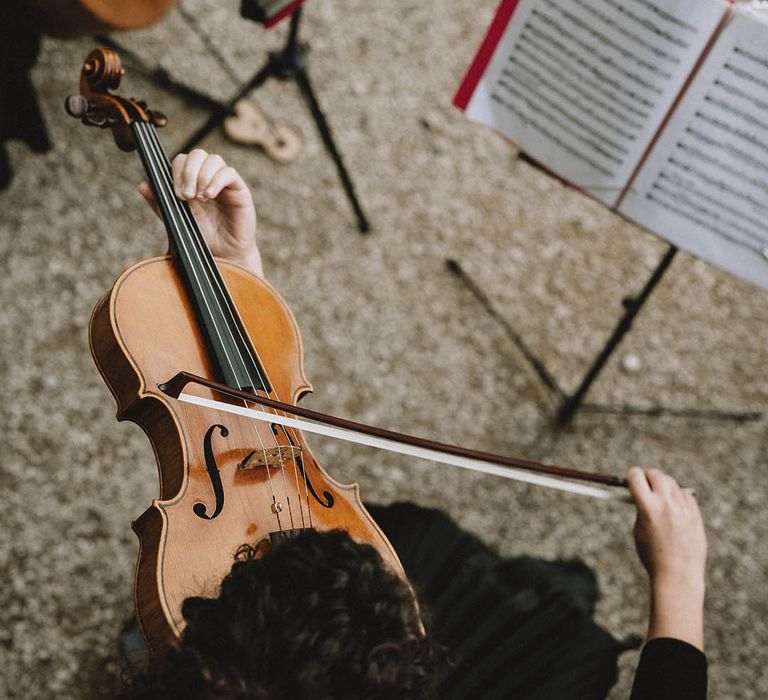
x,y
221,203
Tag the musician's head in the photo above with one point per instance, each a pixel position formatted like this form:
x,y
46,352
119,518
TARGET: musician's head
x,y
316,617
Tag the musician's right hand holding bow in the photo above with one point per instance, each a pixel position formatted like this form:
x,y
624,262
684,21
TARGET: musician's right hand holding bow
x,y
672,544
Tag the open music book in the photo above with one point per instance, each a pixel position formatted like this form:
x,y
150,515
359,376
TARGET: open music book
x,y
657,110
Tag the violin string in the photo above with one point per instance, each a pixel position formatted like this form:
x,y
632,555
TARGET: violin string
x,y
163,171
208,262
164,189
203,255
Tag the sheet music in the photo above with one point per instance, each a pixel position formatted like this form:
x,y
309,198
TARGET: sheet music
x,y
705,185
582,86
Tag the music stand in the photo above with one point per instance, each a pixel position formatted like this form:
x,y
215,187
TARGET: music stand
x,y
288,63
569,404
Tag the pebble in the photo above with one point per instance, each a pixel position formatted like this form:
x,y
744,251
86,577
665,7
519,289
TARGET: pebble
x,y
631,363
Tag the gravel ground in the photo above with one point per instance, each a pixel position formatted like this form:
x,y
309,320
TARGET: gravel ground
x,y
392,337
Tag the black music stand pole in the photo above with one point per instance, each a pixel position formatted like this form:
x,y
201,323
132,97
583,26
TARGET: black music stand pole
x,y
569,404
289,63
632,307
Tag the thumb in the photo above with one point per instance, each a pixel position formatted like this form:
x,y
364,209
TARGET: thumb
x,y
146,191
639,488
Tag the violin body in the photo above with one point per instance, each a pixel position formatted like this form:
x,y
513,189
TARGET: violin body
x,y
142,333
230,475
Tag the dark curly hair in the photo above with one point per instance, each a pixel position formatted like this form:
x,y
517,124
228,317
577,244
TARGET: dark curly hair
x,y
316,617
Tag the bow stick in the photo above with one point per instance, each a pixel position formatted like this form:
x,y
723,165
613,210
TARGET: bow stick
x,y
341,428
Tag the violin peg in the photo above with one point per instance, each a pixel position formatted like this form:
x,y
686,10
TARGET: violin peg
x,y
100,120
97,106
158,118
76,106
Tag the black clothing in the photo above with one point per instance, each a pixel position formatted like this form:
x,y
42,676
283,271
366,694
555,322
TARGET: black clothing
x,y
20,116
670,669
522,628
514,628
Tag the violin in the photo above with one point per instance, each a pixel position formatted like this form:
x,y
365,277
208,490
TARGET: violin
x,y
208,359
225,479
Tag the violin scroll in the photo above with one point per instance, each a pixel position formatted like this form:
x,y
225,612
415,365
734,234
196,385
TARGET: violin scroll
x,y
95,106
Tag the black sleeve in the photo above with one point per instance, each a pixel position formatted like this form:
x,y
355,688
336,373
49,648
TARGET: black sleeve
x,y
670,669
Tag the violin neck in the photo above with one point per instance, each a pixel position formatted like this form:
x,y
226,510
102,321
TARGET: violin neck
x,y
220,323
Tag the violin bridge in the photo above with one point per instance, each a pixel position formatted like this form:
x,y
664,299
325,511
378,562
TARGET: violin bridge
x,y
270,457
283,535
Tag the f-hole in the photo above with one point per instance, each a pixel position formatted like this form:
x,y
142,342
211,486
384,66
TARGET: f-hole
x,y
200,509
327,500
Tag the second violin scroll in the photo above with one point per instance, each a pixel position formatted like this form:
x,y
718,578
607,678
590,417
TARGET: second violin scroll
x,y
71,18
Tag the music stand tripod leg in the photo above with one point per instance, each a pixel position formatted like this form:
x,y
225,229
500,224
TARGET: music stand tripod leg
x,y
633,306
221,112
302,80
289,64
